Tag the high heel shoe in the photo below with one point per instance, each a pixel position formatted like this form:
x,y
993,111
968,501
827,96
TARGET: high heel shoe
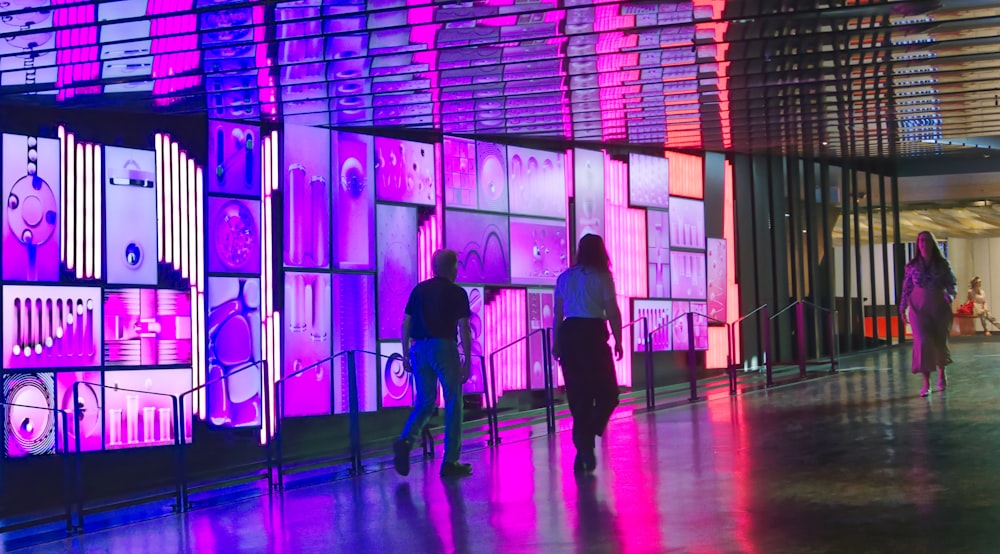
x,y
941,384
925,391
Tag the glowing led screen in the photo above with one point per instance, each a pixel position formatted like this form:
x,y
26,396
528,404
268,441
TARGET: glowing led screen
x,y
233,159
460,176
31,219
308,302
536,181
405,171
397,384
658,257
687,223
88,408
29,427
131,226
717,279
658,316
138,410
234,395
234,239
49,327
353,202
540,312
649,181
397,265
482,243
477,307
588,192
147,327
307,197
492,176
354,329
687,275
680,326
539,251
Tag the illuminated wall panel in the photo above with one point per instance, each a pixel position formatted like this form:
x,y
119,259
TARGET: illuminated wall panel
x,y
687,175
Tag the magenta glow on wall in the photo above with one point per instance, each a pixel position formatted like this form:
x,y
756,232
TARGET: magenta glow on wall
x,y
31,220
481,241
47,327
147,327
134,418
353,202
405,171
539,250
306,166
307,341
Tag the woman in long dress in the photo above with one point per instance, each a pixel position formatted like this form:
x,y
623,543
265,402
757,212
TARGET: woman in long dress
x,y
979,308
929,287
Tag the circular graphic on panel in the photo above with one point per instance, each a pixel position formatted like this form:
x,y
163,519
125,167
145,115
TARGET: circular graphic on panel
x,y
492,177
25,13
235,235
31,210
352,177
395,378
86,414
30,427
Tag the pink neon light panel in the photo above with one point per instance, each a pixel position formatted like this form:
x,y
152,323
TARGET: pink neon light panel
x,y
137,418
31,191
649,178
147,327
307,342
405,171
88,408
353,202
717,279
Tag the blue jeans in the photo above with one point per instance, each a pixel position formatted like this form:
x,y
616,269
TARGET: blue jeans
x,y
433,360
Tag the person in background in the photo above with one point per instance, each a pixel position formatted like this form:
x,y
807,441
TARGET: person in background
x,y
977,296
435,309
929,287
585,297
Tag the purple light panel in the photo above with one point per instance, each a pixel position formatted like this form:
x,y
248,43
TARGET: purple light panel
x,y
89,418
649,181
233,235
31,191
658,314
307,341
588,192
688,279
687,223
130,220
234,395
680,326
482,243
658,242
47,327
136,420
717,279
397,385
405,171
477,306
540,311
700,325
491,175
353,202
147,327
307,197
29,429
460,173
539,251
354,329
234,159
397,265
537,182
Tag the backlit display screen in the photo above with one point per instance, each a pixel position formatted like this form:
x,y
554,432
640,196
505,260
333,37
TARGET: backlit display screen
x,y
405,171
539,250
482,242
130,191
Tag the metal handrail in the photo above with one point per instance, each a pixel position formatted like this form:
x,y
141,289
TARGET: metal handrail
x,y
67,472
768,369
265,422
748,314
647,350
178,427
817,306
550,394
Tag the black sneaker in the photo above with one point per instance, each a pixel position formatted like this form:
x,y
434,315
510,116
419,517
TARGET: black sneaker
x,y
455,469
401,457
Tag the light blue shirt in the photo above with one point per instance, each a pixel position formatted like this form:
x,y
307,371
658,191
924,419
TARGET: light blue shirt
x,y
585,292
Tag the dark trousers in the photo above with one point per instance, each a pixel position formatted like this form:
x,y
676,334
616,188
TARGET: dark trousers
x,y
589,370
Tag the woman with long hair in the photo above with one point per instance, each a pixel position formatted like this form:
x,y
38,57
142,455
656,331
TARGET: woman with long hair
x,y
585,304
929,288
977,298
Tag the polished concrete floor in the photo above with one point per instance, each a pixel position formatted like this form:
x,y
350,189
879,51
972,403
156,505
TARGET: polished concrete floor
x,y
854,462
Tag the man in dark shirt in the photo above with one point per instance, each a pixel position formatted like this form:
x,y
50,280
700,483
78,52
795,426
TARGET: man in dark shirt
x,y
435,308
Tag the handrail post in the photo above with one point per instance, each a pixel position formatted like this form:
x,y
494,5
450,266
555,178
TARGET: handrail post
x,y
768,370
495,438
179,443
79,458
731,357
279,391
648,352
267,425
692,370
354,416
550,396
486,395
833,341
67,471
800,336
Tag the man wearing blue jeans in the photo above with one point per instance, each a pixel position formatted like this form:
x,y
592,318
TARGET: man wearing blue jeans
x,y
435,309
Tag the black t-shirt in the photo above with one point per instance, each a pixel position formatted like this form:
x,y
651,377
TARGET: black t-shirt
x,y
435,306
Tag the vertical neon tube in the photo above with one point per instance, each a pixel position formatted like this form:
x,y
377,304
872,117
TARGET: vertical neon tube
x,y
62,199
79,238
158,147
70,213
175,205
88,210
192,250
168,191
199,314
98,210
184,221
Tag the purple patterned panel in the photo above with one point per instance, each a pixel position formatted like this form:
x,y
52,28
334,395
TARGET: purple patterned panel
x,y
234,395
539,251
460,173
477,305
29,427
306,175
687,223
481,241
537,183
492,176
46,327
700,325
31,218
687,275
588,179
233,235
397,265
88,421
131,224
354,329
540,310
233,158
658,258
307,341
136,420
658,314
405,171
717,283
679,328
648,181
397,384
147,327
353,202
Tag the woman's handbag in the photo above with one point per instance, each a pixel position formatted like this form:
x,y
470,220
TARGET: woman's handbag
x,y
964,309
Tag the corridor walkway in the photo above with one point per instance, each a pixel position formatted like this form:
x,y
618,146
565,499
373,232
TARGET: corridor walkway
x,y
854,462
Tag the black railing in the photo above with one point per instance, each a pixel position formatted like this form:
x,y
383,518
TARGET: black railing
x,y
550,412
800,332
648,356
734,348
